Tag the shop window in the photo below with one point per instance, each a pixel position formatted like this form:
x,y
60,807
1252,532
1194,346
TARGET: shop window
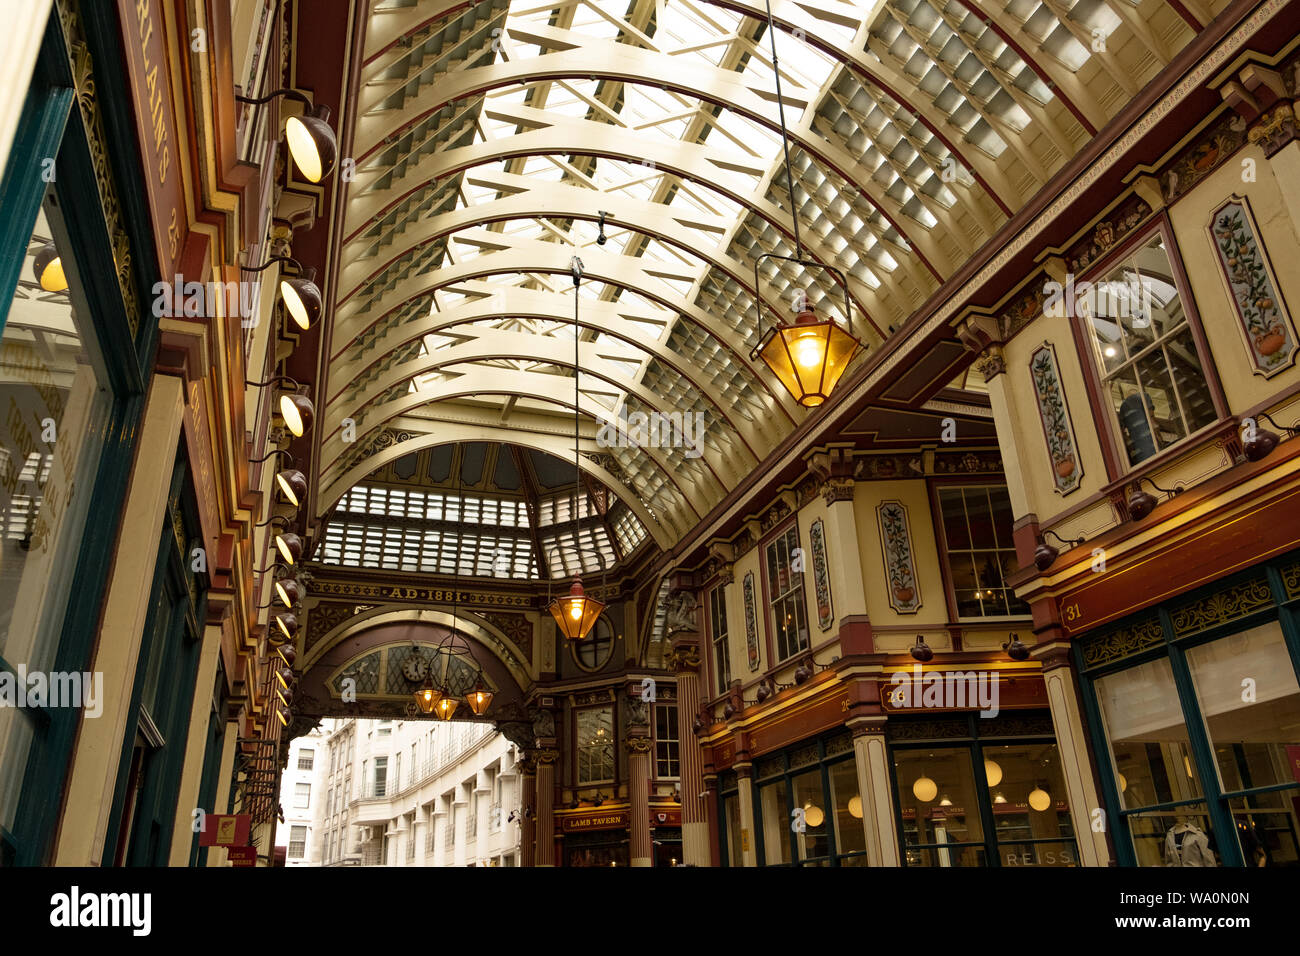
x,y
718,635
1152,374
297,842
735,839
774,804
983,802
667,752
846,813
594,729
785,593
977,524
594,652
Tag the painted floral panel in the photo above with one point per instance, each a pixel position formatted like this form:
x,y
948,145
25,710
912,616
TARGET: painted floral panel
x,y
1270,337
751,622
1067,469
896,540
821,577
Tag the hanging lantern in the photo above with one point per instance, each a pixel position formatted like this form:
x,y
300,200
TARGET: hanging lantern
x,y
809,356
48,267
445,707
427,697
575,613
479,699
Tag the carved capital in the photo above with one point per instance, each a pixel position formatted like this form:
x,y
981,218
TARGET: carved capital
x,y
727,574
547,756
991,362
1276,128
638,745
837,489
683,658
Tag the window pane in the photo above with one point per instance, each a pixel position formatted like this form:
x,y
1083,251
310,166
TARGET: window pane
x,y
850,836
1267,826
1249,735
939,803
731,810
1029,804
776,823
1178,837
1148,739
815,840
954,519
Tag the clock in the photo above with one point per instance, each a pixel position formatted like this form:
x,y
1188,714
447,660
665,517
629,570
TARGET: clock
x,y
415,667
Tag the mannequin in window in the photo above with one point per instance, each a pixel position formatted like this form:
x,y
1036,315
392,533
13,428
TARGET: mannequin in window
x,y
1187,845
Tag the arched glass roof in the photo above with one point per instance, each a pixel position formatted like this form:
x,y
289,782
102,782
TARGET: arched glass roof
x,y
491,136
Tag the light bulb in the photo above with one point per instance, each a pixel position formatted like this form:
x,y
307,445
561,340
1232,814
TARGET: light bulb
x,y
855,807
808,350
925,789
1039,799
992,772
575,610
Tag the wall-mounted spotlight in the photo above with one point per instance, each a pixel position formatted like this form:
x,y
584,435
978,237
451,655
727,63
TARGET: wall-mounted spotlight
x,y
1258,443
287,543
300,293
921,651
1142,503
312,142
48,267
296,409
1045,555
291,482
1015,648
286,626
288,654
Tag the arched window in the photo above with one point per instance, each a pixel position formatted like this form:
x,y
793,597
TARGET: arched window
x,y
594,652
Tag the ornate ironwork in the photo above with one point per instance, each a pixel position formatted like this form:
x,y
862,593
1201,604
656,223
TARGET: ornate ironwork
x,y
1221,607
1122,642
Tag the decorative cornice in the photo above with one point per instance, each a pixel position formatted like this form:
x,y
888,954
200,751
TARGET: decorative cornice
x,y
991,363
837,489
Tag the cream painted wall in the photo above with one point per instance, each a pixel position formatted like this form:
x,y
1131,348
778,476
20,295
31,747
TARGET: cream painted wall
x,y
925,554
20,43
1036,469
1278,234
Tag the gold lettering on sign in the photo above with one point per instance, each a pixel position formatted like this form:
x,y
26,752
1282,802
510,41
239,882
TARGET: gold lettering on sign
x,y
157,117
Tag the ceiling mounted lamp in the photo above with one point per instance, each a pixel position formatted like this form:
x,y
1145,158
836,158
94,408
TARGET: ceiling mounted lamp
x,y
296,409
1258,443
1142,503
925,789
299,293
312,142
427,696
1045,555
479,698
1039,799
48,269
992,772
809,355
445,707
855,807
575,613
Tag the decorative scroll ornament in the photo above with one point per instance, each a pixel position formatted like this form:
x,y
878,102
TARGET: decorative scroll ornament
x,y
821,579
751,622
896,541
1067,469
1260,312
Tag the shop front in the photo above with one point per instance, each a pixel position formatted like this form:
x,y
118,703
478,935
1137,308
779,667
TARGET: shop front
x,y
595,837
1194,710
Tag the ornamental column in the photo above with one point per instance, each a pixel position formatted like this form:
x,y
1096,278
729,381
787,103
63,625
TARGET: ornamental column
x,y
439,824
483,804
527,818
1072,741
684,660
546,757
748,845
638,771
871,758
459,814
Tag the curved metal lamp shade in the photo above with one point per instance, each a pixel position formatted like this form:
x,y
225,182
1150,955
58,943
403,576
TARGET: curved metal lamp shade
x,y
301,298
48,268
297,412
312,143
292,484
575,613
289,591
290,546
808,356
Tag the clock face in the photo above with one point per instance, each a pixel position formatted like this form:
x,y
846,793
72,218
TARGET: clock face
x,y
415,667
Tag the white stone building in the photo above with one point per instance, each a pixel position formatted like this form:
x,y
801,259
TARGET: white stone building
x,y
299,798
416,793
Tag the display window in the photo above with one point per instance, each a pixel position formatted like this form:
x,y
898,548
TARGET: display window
x,y
808,811
1196,709
974,796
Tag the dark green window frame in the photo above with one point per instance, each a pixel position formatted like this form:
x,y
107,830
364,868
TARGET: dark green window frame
x,y
1283,580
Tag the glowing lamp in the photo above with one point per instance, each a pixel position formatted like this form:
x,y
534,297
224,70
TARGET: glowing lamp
x,y
925,789
445,707
427,697
855,807
1040,799
297,412
302,298
808,356
48,268
292,484
479,699
312,143
992,772
575,613
813,815
290,547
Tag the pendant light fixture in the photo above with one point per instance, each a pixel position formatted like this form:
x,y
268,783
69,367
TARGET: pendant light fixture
x,y
808,356
428,695
576,613
312,142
